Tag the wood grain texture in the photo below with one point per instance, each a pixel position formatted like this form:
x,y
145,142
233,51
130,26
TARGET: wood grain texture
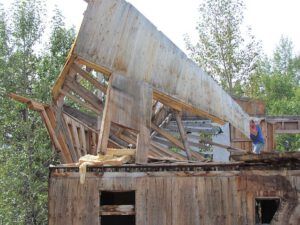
x,y
115,36
174,198
183,135
128,104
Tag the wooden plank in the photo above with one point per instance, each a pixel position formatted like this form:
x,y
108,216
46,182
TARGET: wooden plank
x,y
271,156
68,156
183,135
61,125
168,136
83,140
84,104
110,210
105,124
67,134
98,68
84,93
167,68
76,139
162,124
93,148
64,148
50,130
143,145
167,152
114,144
84,119
30,103
182,106
128,104
64,73
229,148
88,77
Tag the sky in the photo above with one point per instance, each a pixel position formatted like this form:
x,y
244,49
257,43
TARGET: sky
x,y
269,19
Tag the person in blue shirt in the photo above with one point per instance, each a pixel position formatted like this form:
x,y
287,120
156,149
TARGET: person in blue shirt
x,y
256,137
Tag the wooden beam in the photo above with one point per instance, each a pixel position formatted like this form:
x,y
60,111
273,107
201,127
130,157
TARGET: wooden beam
x,y
61,123
68,156
180,106
165,121
183,135
84,104
64,73
83,118
88,77
87,95
30,103
105,124
109,210
94,66
143,144
229,148
268,156
166,152
168,136
50,130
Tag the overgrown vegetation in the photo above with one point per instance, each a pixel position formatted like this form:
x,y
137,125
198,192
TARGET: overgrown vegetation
x,y
236,61
25,150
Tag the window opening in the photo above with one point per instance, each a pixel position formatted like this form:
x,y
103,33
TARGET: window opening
x,y
265,210
117,208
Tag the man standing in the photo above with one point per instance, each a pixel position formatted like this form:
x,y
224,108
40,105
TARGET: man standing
x,y
256,137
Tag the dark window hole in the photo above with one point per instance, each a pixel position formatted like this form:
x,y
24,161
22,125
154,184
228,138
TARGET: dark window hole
x,y
117,198
265,210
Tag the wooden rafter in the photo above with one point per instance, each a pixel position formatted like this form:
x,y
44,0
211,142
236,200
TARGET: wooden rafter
x,y
168,136
183,135
87,95
80,102
89,78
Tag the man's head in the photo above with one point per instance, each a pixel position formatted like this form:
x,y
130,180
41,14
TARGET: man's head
x,y
252,123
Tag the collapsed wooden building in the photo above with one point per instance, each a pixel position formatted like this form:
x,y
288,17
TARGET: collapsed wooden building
x,y
122,84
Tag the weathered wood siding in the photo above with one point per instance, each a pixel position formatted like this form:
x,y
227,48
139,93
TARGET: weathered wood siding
x,y
114,35
177,198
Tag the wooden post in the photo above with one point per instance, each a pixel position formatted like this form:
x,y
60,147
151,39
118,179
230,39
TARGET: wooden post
x,y
105,124
143,145
183,135
128,104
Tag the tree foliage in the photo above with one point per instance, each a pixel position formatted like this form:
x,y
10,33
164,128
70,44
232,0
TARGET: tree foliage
x,y
276,81
25,150
222,51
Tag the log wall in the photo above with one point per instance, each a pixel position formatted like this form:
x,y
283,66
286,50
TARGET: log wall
x,y
177,198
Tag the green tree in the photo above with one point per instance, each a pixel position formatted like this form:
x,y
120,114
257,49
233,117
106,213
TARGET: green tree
x,y
21,129
25,149
276,81
57,49
222,51
279,81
